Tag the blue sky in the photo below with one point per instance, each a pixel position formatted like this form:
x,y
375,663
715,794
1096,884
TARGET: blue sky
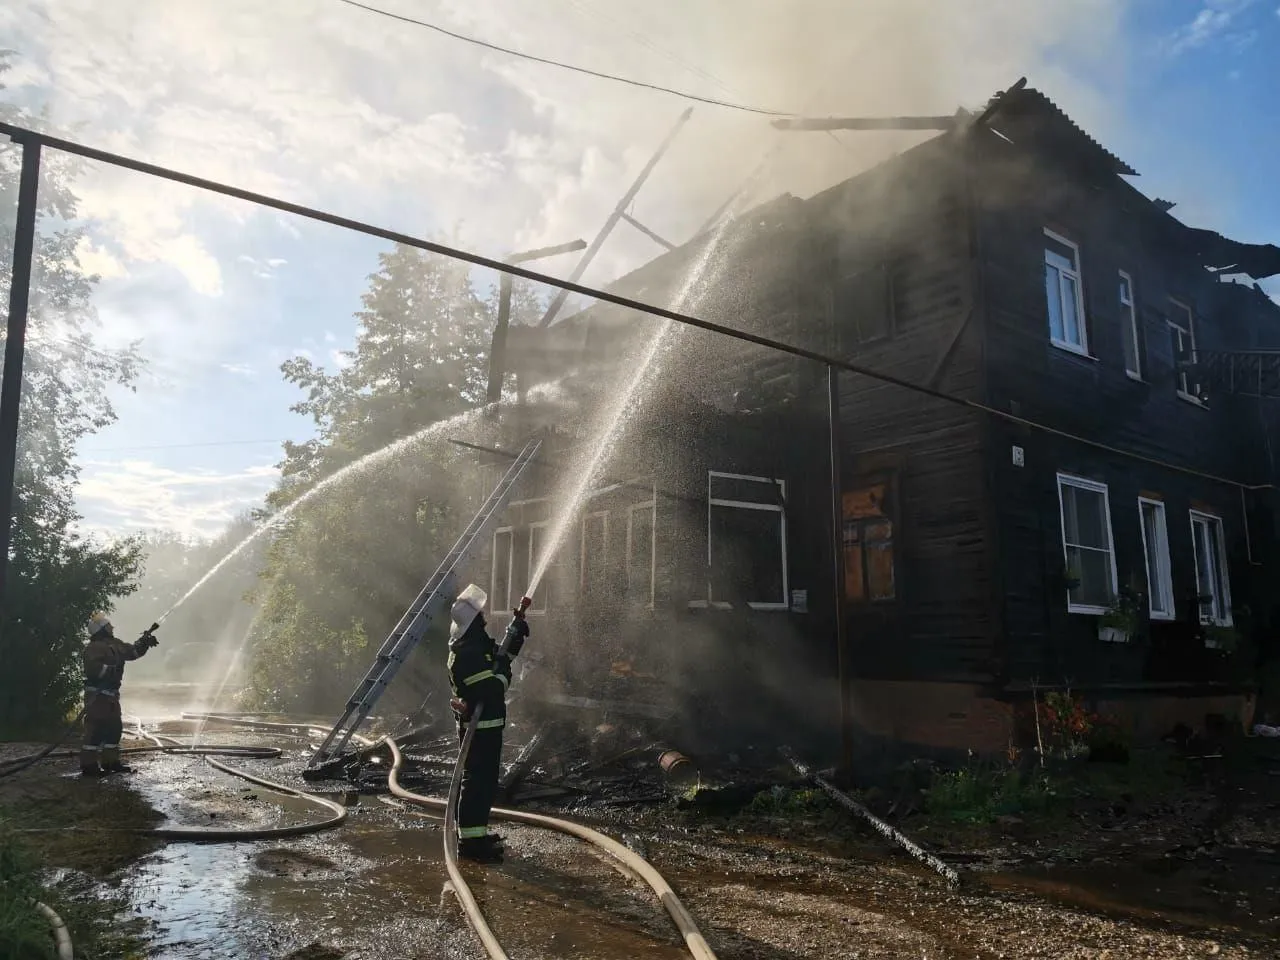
x,y
317,102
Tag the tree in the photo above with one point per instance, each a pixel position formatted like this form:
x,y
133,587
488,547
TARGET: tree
x,y
341,569
57,577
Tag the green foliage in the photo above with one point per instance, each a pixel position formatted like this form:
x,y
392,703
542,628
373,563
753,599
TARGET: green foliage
x,y
341,570
977,795
57,577
1125,612
781,801
24,933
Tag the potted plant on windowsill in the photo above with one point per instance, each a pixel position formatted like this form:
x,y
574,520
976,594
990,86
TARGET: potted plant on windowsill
x,y
1071,577
1122,618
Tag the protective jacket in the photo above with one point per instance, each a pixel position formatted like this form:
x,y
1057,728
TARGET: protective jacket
x,y
479,674
104,660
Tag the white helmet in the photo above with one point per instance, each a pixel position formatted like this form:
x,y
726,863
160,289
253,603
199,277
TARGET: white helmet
x,y
97,623
468,606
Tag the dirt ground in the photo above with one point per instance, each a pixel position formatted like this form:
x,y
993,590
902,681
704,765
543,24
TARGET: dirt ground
x,y
1192,873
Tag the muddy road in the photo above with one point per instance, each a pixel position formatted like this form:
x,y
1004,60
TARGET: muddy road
x,y
375,888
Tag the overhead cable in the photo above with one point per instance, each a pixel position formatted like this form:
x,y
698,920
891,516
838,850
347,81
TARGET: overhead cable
x,y
745,108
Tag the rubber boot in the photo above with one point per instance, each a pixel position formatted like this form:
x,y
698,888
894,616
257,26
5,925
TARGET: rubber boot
x,y
89,763
477,850
111,761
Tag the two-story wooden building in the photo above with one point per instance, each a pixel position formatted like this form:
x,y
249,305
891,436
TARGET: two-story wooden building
x,y
1050,421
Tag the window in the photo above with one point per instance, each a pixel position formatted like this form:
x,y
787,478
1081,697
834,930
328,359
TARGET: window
x,y
500,581
1182,333
538,533
868,545
640,553
1063,293
1087,544
1129,328
1155,548
1211,569
595,552
862,306
747,541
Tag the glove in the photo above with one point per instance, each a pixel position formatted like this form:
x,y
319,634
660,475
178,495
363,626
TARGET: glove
x,y
147,641
516,634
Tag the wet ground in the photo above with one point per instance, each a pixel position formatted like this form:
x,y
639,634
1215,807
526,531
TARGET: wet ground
x,y
375,887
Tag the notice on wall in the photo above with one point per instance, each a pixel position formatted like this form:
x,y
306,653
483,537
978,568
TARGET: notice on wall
x,y
799,601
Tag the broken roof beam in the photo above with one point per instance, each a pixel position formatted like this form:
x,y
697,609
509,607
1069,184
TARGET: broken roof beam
x,y
647,232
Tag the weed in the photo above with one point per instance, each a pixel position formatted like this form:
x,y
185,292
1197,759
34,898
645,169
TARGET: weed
x,y
979,796
782,801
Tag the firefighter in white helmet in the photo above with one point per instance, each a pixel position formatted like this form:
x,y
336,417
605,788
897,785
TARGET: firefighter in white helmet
x,y
104,660
479,675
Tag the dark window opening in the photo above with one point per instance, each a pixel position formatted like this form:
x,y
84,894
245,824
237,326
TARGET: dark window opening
x,y
868,538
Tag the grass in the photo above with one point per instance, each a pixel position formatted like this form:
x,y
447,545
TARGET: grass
x,y
62,841
782,801
975,795
92,920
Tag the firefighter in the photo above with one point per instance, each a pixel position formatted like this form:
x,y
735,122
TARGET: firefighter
x,y
104,660
479,675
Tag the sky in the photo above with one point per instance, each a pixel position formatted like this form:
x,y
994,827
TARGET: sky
x,y
325,104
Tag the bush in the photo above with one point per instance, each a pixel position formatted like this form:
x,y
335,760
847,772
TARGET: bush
x,y
24,933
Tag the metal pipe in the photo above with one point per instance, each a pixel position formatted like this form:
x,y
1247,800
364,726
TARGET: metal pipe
x,y
24,135
897,836
15,345
612,220
844,666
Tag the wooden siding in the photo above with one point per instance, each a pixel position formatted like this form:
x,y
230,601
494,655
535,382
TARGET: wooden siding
x,y
1166,438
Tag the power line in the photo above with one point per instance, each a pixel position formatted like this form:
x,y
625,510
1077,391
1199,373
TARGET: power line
x,y
746,108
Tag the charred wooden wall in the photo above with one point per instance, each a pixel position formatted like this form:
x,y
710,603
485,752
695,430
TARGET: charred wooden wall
x,y
898,242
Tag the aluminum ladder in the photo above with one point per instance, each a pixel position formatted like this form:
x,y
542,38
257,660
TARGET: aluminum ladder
x,y
434,600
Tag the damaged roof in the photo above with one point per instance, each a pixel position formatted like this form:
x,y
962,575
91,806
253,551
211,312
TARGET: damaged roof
x,y
1030,106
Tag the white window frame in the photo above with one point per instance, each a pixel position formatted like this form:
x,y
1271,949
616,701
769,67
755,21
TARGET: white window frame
x,y
582,544
785,602
1083,483
493,571
1129,308
544,587
1180,377
1164,562
652,507
1082,347
1213,524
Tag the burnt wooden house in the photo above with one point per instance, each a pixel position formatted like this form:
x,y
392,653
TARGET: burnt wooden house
x,y
1055,459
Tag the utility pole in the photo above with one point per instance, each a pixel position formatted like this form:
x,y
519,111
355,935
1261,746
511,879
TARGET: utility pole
x,y
498,351
15,345
619,213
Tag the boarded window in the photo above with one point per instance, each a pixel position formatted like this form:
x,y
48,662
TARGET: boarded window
x,y
1087,544
868,538
747,541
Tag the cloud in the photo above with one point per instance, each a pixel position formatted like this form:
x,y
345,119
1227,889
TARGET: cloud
x,y
262,269
97,261
1210,22
238,369
118,496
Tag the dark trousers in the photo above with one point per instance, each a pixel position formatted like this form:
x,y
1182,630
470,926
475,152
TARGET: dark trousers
x,y
479,782
103,725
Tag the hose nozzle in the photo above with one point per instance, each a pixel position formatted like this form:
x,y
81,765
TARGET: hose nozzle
x,y
525,604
